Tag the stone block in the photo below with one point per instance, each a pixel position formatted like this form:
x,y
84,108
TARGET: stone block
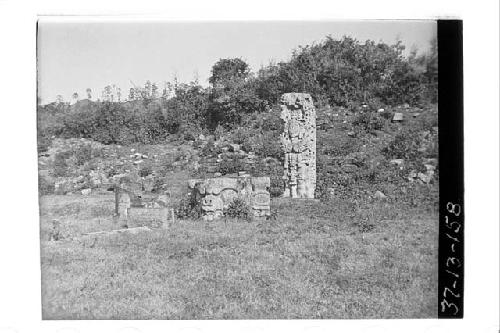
x,y
148,217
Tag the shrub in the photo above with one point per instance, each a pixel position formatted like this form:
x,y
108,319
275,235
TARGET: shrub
x,y
55,233
43,142
188,207
232,165
45,186
405,145
60,165
210,149
387,115
269,146
369,122
145,171
239,209
273,216
83,154
275,173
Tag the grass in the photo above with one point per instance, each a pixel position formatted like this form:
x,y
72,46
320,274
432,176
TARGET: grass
x,y
316,260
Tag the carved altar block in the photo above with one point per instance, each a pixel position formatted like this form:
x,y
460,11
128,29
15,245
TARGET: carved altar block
x,y
215,194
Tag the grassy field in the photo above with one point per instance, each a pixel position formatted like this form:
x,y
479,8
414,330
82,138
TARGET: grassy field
x,y
315,260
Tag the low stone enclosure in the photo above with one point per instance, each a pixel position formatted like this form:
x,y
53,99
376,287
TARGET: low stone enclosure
x,y
298,142
133,208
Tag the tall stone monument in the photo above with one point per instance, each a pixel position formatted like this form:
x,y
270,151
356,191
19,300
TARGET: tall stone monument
x,y
299,145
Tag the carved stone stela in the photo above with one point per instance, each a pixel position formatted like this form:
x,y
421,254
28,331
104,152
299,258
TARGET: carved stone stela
x,y
216,194
299,145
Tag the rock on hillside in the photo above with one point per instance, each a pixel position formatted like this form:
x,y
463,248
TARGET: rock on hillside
x,y
73,165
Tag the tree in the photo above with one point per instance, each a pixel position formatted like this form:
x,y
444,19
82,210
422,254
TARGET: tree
x,y
154,91
75,96
59,99
233,93
147,90
107,94
226,70
89,93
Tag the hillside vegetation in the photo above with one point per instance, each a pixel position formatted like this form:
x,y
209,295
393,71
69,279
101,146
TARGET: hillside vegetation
x,y
357,88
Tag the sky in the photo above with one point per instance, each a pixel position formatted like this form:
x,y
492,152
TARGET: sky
x,y
76,54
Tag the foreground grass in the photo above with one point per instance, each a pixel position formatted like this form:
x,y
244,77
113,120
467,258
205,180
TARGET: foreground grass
x,y
314,261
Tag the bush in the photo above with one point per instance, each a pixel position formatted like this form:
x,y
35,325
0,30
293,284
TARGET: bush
x,y
275,173
239,209
45,186
44,141
210,149
55,233
145,171
405,145
83,154
232,165
60,165
369,122
188,207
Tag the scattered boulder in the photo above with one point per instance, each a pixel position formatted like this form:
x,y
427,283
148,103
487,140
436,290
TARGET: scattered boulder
x,y
397,161
397,118
86,191
380,196
425,177
233,147
432,161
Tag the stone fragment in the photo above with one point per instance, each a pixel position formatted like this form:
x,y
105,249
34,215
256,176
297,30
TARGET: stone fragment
x,y
397,118
234,147
298,142
86,191
397,161
380,196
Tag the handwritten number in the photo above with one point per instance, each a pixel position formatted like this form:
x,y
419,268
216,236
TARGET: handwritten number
x,y
454,274
450,225
454,238
453,261
448,305
451,292
453,208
